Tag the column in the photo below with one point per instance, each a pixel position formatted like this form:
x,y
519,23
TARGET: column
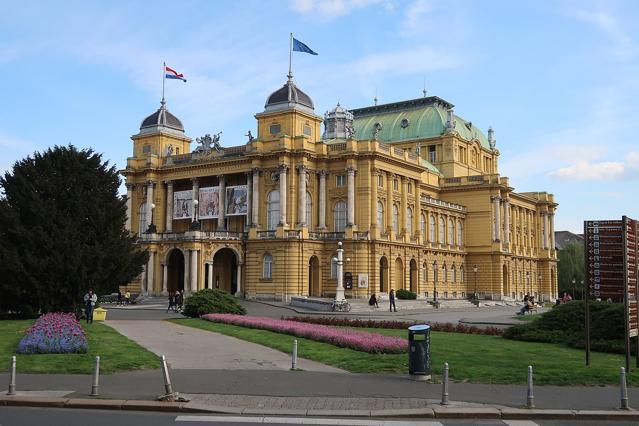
x,y
239,279
418,211
187,271
151,273
544,230
129,205
149,203
193,270
255,208
221,219
506,222
249,190
301,203
403,226
169,206
195,196
283,188
497,226
210,275
165,278
350,209
389,203
374,223
322,199
551,230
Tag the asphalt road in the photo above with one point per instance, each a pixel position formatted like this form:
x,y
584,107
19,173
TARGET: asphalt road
x,y
20,416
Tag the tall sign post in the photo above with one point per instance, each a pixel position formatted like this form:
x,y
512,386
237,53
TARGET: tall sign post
x,y
611,272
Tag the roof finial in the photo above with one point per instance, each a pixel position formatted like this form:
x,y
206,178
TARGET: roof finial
x,y
491,138
424,90
375,99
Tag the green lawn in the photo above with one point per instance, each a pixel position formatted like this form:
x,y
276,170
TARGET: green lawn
x,y
116,352
472,358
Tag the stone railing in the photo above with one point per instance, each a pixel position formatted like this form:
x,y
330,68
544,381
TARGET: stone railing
x,y
383,147
337,146
265,235
435,202
360,235
192,235
326,235
399,151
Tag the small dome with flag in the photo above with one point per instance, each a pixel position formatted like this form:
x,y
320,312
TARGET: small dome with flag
x,y
161,119
288,96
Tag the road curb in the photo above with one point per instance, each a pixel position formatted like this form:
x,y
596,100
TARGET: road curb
x,y
427,412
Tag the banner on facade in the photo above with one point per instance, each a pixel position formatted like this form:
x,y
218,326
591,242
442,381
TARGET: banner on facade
x,y
182,204
362,280
237,200
209,207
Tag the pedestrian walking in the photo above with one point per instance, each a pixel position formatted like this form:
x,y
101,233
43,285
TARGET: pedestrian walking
x,y
179,300
90,299
127,296
119,297
391,297
171,302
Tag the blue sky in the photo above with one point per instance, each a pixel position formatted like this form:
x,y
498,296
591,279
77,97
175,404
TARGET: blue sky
x,y
556,80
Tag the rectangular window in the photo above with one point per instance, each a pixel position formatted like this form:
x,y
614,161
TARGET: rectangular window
x,y
395,185
432,153
340,180
275,129
307,130
146,149
380,181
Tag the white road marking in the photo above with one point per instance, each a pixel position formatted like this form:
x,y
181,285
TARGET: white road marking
x,y
303,421
520,423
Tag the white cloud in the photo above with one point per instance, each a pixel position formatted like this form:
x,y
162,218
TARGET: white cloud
x,y
622,45
603,170
328,10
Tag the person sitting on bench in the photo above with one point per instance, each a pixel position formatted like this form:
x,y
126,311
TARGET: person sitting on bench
x,y
373,301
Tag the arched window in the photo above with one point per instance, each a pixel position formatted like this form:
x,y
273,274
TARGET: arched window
x,y
461,273
454,272
309,210
435,272
267,267
409,221
442,230
395,219
422,225
273,210
143,223
451,232
431,229
444,273
339,216
380,215
459,233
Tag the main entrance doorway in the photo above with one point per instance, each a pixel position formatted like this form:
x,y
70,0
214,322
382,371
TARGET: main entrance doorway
x,y
175,272
225,270
314,277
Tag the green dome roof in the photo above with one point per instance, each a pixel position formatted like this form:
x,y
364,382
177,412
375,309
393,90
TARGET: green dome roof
x,y
420,118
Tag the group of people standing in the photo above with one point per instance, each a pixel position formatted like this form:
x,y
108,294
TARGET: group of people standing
x,y
176,300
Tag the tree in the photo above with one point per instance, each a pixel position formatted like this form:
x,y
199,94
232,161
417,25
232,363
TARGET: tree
x,y
62,232
571,267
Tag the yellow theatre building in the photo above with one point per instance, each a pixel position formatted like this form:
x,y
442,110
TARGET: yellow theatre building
x,y
411,190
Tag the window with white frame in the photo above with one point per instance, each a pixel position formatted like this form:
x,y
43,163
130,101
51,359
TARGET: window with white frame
x,y
410,187
444,273
442,230
272,210
143,223
395,185
422,225
339,216
380,214
451,232
425,272
431,230
340,180
395,219
459,233
409,221
267,266
380,181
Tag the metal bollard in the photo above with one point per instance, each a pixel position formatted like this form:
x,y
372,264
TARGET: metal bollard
x,y
168,388
294,355
530,400
12,377
96,378
445,385
624,391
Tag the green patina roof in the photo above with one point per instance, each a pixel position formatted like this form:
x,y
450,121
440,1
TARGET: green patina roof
x,y
426,119
429,166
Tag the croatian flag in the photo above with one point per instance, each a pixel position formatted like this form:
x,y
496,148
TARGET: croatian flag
x,y
172,74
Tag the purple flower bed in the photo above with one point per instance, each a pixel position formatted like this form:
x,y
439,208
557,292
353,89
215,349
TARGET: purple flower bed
x,y
358,340
56,333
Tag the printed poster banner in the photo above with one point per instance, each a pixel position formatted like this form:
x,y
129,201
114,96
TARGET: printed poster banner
x,y
209,207
182,204
362,281
237,200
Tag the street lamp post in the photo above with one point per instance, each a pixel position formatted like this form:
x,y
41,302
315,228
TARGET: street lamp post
x,y
195,224
475,269
339,293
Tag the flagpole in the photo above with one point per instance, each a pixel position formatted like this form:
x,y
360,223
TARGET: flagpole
x,y
290,58
163,80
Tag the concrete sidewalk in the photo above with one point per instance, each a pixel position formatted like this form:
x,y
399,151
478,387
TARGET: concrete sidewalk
x,y
192,348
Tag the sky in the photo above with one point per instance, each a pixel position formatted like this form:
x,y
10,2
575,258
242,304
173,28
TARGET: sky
x,y
556,80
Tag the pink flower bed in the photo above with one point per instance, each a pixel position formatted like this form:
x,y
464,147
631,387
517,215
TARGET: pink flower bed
x,y
54,333
358,340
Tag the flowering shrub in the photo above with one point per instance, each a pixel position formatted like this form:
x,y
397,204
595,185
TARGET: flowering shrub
x,y
358,340
55,333
402,325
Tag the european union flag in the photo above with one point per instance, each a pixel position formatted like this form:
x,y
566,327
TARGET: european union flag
x,y
298,46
